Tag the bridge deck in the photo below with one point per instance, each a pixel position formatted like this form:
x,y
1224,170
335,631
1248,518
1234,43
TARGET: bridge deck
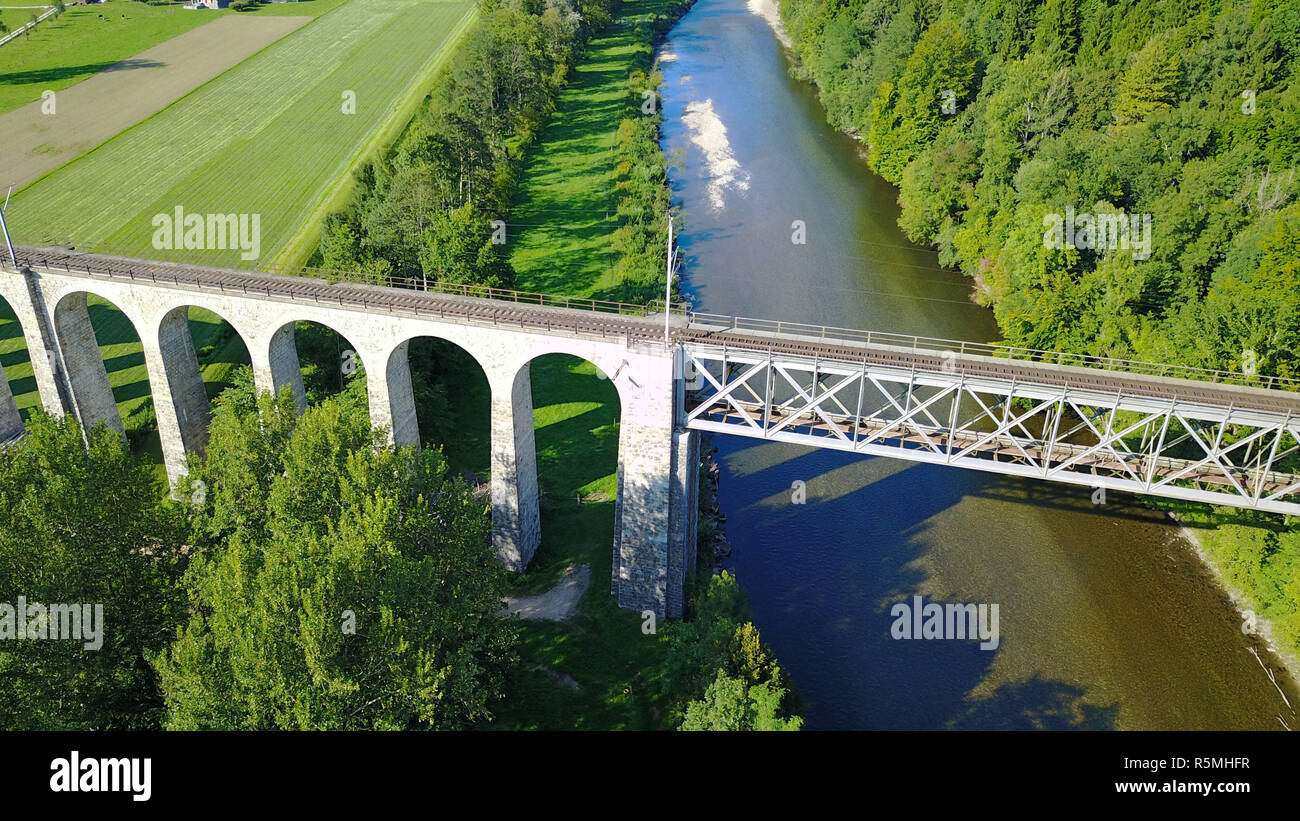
x,y
582,317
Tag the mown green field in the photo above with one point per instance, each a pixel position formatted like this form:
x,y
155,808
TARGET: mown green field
x,y
565,207
77,44
269,137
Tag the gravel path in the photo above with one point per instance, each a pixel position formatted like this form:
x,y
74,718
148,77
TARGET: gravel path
x,y
556,604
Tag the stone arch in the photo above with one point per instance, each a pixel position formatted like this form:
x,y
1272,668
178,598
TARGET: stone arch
x,y
401,410
81,362
178,364
280,361
570,451
16,376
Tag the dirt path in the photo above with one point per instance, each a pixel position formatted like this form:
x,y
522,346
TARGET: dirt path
x,y
556,604
96,109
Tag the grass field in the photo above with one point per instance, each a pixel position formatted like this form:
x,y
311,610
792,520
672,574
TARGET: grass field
x,y
96,109
566,200
565,248
269,137
75,45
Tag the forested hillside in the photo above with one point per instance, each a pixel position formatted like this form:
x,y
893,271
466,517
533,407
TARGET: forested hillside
x,y
1016,129
999,119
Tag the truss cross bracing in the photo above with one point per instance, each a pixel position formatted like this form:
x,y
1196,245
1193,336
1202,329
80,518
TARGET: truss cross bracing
x,y
1171,447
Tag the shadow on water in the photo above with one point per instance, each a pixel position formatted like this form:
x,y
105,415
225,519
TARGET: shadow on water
x,y
1035,704
822,569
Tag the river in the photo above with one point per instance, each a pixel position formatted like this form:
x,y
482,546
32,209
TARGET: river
x,y
1107,617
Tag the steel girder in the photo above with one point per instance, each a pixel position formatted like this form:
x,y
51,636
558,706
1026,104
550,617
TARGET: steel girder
x,y
1238,457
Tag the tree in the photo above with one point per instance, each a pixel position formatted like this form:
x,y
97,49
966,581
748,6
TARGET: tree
x,y
81,524
457,247
730,704
907,114
368,599
1150,83
717,671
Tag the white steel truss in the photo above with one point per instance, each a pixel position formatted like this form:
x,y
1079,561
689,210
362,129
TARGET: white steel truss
x,y
1178,449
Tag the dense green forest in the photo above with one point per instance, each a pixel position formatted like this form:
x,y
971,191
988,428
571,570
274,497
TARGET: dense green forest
x,y
1025,135
991,115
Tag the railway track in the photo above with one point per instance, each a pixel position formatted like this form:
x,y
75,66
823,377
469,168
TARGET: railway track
x,y
593,317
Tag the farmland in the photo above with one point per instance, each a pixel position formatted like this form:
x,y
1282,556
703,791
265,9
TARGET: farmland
x,y
270,137
77,44
40,137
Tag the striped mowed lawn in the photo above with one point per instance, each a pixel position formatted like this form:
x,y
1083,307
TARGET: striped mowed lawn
x,y
77,44
269,137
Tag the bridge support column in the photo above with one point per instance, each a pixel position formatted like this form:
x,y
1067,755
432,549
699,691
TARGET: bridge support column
x,y
36,322
392,401
277,365
651,528
516,517
11,421
180,399
684,518
91,393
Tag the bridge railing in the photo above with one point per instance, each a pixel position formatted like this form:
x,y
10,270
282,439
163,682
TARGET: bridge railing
x,y
921,344
87,262
826,333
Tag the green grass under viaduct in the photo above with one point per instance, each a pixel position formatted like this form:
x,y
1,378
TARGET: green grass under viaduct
x,y
567,249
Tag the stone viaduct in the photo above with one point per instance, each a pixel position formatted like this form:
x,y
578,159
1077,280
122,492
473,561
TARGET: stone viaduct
x,y
1182,433
657,460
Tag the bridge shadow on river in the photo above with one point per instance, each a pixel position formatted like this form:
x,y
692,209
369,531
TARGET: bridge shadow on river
x,y
835,574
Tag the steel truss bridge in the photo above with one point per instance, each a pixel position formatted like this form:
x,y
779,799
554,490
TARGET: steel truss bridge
x,y
1182,433
1108,424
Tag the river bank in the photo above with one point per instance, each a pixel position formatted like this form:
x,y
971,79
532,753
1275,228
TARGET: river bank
x,y
1109,617
1247,608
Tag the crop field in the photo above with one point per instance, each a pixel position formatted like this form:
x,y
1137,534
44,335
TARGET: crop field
x,y
270,138
77,44
96,109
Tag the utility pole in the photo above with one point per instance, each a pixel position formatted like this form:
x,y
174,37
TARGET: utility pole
x,y
9,242
667,287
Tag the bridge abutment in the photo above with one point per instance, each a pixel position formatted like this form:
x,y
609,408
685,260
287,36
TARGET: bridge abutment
x,y
684,516
654,515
